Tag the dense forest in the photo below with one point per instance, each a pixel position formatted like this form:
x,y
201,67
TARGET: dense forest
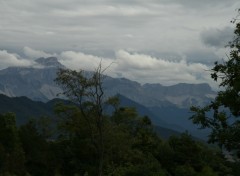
x,y
131,147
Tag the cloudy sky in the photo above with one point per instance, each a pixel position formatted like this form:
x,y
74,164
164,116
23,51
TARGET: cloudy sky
x,y
154,41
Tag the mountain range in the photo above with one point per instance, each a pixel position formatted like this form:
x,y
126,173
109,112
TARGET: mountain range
x,y
38,83
33,82
167,106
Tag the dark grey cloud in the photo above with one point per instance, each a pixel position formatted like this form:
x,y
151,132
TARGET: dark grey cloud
x,y
217,37
204,56
104,25
213,4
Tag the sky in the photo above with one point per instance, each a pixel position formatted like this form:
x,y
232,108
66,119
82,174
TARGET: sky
x,y
148,41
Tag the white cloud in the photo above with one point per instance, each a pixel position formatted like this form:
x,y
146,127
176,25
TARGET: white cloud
x,y
9,59
147,69
104,10
34,54
135,66
79,60
139,67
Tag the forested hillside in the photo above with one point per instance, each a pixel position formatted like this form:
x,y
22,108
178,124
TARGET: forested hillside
x,y
26,109
131,147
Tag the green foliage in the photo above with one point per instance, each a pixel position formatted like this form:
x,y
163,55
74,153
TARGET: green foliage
x,y
132,145
184,170
35,148
222,115
11,153
235,167
86,91
132,148
24,108
77,151
185,156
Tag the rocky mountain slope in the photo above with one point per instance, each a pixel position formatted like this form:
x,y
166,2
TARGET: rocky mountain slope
x,y
34,82
151,95
37,83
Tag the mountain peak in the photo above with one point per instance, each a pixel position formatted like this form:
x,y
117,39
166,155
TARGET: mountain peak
x,y
49,62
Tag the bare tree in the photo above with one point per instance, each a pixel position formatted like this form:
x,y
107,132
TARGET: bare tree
x,y
85,89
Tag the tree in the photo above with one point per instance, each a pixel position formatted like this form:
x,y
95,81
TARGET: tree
x,y
86,91
222,114
185,156
11,153
75,151
131,145
36,149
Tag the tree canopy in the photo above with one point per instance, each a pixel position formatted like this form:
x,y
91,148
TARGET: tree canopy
x,y
222,115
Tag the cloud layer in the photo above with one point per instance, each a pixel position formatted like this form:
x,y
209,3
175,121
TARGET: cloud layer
x,y
135,66
10,59
145,68
217,38
96,27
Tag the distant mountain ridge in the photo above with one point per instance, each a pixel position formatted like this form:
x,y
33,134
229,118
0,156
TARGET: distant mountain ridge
x,y
150,95
49,62
33,82
26,109
38,83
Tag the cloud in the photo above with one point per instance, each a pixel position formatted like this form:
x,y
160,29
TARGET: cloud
x,y
108,25
205,55
104,10
203,3
34,54
147,69
79,60
10,59
143,68
216,37
139,67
